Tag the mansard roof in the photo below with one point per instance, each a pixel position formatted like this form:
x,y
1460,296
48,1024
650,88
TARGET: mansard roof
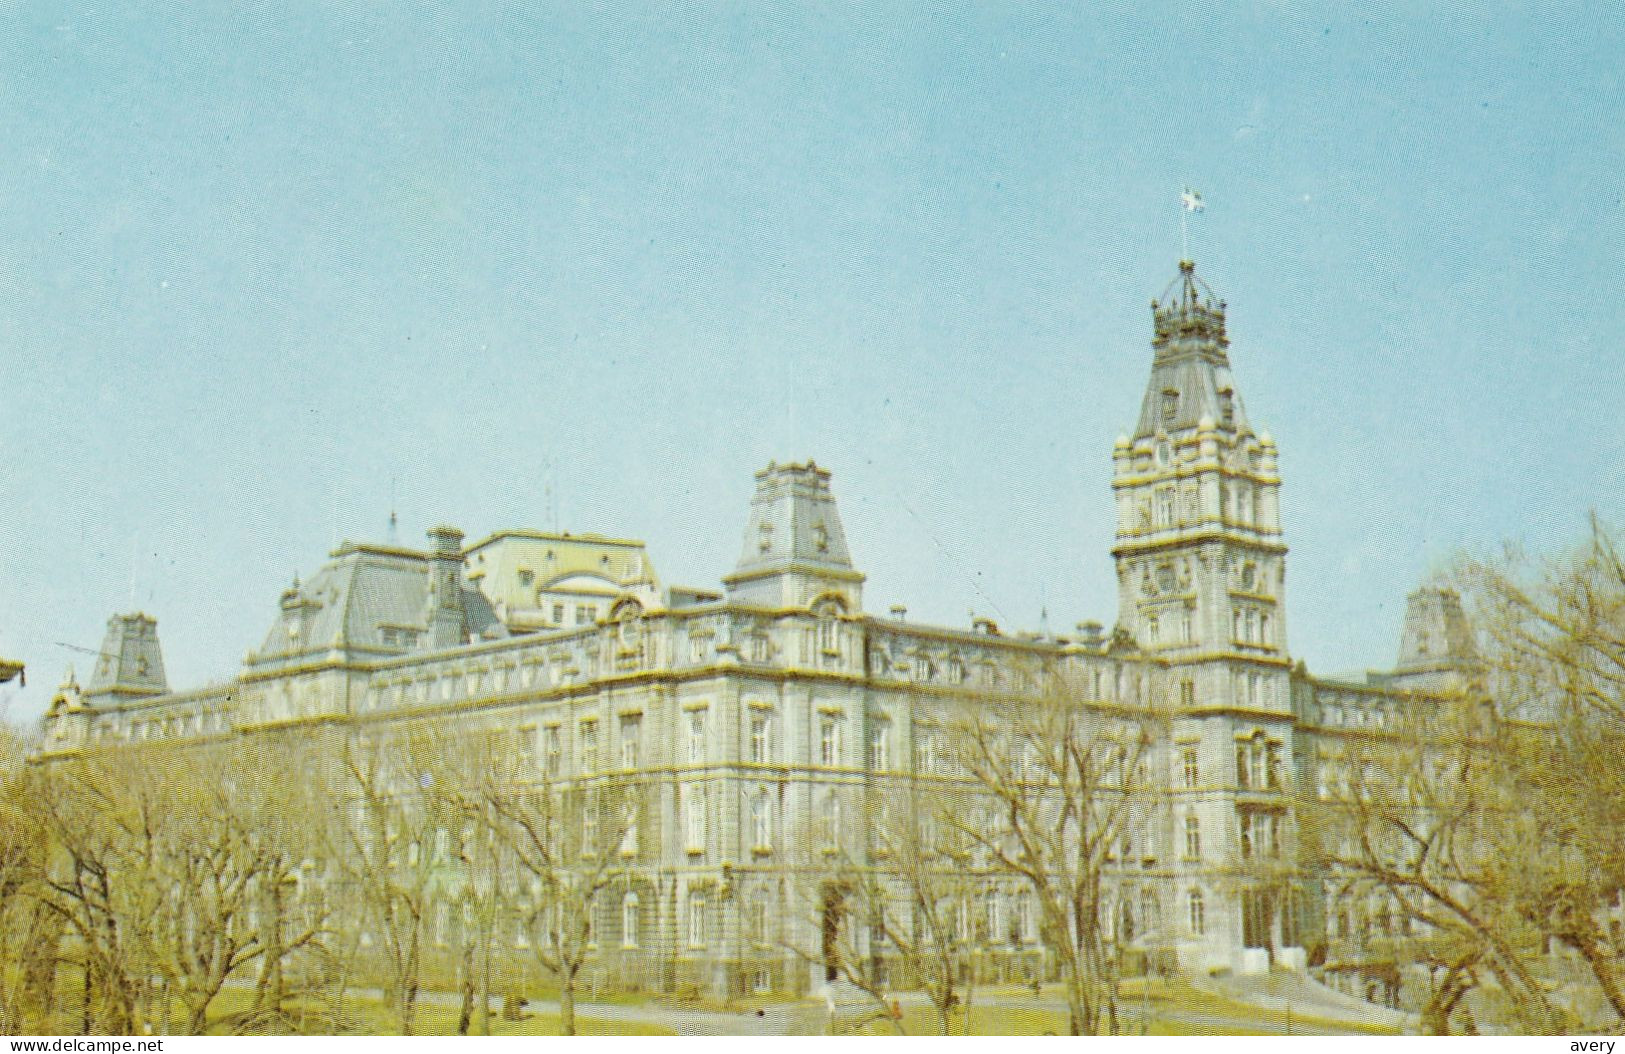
x,y
358,600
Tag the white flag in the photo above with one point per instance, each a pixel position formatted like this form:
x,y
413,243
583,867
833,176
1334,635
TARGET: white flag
x,y
1192,200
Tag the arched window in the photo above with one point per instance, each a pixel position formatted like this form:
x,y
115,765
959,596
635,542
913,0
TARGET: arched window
x,y
629,921
1193,837
1198,912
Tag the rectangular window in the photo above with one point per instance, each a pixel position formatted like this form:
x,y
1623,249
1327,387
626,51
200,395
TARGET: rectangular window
x,y
1193,837
925,752
1187,693
761,821
829,742
879,755
694,819
696,737
629,837
558,614
1259,834
589,745
1188,761
442,924
831,817
1257,913
756,924
553,745
758,739
631,739
696,919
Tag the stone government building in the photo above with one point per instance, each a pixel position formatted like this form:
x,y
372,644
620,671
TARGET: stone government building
x,y
751,715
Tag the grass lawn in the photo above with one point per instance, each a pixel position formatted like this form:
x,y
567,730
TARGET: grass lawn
x,y
1166,1001
371,1017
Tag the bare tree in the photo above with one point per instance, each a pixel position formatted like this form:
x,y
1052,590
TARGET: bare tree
x,y
27,934
1419,829
1064,779
562,842
1554,646
888,899
1480,828
385,847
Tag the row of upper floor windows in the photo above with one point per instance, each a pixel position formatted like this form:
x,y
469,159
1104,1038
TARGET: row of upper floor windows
x,y
1351,713
1179,505
110,729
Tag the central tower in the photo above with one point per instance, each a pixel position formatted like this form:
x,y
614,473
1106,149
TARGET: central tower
x,y
1200,561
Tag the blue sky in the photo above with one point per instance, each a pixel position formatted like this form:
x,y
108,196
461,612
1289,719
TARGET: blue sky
x,y
257,262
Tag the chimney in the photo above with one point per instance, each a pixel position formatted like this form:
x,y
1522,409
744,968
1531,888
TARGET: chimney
x,y
444,616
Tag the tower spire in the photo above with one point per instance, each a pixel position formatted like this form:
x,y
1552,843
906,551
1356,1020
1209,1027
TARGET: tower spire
x,y
1199,551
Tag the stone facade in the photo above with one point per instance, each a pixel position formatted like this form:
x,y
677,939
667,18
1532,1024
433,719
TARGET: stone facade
x,y
754,722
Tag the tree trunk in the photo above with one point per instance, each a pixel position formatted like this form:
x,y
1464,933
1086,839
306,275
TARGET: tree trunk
x,y
1602,967
465,1015
567,1002
485,973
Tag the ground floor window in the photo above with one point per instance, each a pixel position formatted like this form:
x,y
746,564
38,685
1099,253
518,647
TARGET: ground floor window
x,y
696,919
1257,913
1291,919
629,921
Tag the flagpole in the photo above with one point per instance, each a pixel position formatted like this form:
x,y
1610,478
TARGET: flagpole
x,y
1184,236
